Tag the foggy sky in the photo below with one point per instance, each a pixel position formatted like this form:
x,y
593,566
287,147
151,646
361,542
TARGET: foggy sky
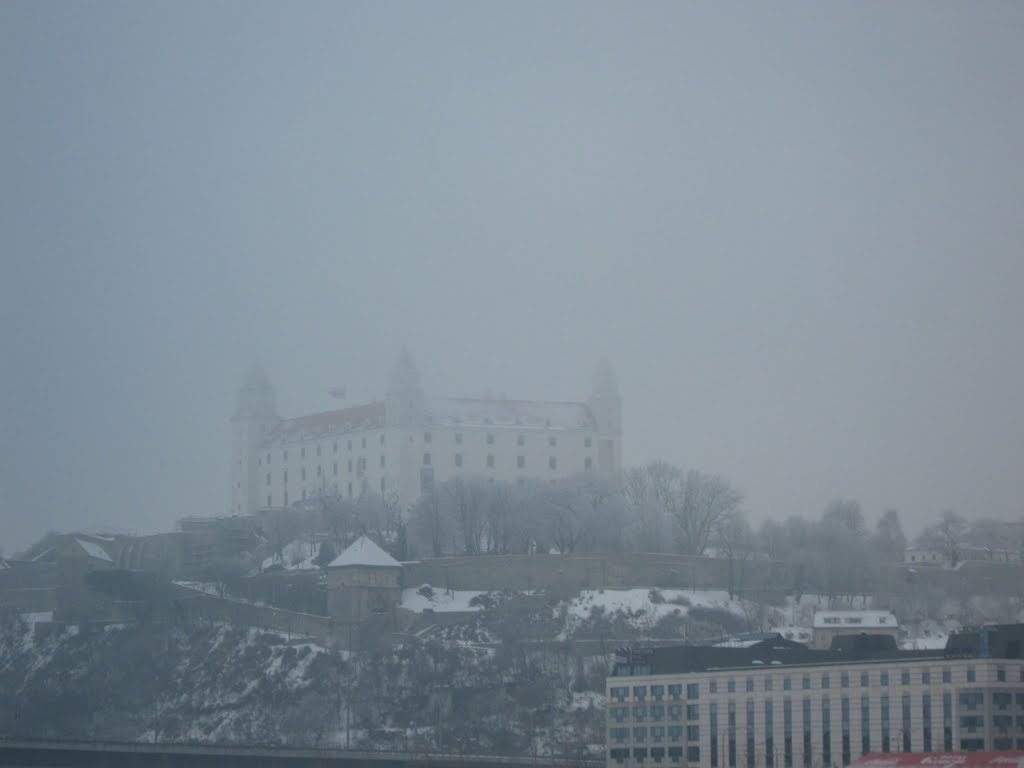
x,y
794,230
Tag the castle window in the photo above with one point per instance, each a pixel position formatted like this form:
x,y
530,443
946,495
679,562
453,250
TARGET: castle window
x,y
303,476
553,463
268,478
335,446
350,445
382,438
458,438
335,469
382,486
286,475
350,490
364,442
552,441
268,459
426,459
382,461
586,442
490,461
286,455
520,461
588,463
350,465
319,470
268,499
458,459
286,498
303,452
520,440
490,439
427,437
318,449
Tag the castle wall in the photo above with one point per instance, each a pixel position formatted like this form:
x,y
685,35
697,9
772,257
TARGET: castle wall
x,y
567,574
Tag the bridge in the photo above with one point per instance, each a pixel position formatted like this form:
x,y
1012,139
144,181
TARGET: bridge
x,y
108,754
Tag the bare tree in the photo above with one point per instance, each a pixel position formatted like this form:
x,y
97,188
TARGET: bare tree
x,y
733,537
947,536
694,501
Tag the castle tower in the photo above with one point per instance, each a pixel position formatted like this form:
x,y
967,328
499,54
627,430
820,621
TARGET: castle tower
x,y
255,416
405,405
606,406
405,413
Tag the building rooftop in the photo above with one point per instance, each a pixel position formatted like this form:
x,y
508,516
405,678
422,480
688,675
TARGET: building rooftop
x,y
368,416
854,620
363,551
996,641
525,414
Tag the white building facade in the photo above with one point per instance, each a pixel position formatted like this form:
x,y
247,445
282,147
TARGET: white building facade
x,y
790,708
402,445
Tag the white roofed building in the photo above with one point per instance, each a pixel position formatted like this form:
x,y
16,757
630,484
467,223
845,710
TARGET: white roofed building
x,y
831,624
403,444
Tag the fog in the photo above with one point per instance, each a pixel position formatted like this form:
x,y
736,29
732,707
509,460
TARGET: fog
x,y
793,230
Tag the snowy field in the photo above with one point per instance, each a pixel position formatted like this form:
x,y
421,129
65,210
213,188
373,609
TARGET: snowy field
x,y
439,600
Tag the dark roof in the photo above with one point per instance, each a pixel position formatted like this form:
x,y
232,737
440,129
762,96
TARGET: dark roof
x,y
766,654
998,641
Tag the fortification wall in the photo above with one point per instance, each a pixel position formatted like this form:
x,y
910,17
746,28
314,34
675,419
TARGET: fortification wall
x,y
567,574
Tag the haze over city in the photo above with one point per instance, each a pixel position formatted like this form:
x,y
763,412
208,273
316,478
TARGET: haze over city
x,y
794,232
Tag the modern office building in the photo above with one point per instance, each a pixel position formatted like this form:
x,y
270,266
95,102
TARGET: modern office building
x,y
401,445
779,704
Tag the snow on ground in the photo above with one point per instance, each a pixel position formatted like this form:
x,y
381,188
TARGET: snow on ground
x,y
295,556
641,609
40,617
439,601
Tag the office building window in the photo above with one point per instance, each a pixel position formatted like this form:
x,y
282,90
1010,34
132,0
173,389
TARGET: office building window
x,y
787,733
826,732
926,721
905,677
732,735
926,677
806,683
693,691
886,746
731,686
750,733
825,681
769,739
883,678
947,721
713,725
787,683
905,729
845,715
947,676
807,732
971,675
844,680
865,680
865,725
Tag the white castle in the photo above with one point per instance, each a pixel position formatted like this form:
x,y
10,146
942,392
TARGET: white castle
x,y
403,445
